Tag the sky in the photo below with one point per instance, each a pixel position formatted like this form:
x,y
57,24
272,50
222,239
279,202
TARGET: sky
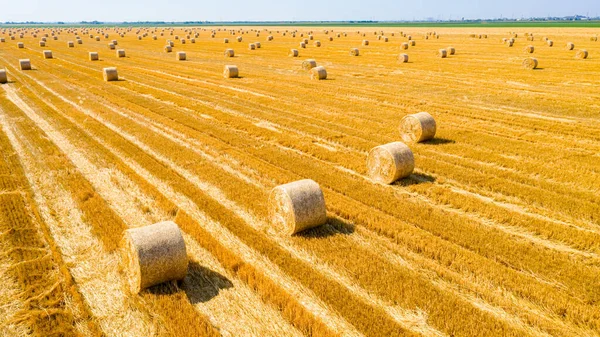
x,y
287,10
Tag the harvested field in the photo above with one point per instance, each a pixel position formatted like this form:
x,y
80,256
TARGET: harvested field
x,y
496,231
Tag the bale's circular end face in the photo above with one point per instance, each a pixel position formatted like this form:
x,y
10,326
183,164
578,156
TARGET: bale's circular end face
x,y
390,162
154,254
417,127
297,206
530,63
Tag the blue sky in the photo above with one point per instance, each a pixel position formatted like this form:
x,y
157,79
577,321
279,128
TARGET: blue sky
x,y
264,10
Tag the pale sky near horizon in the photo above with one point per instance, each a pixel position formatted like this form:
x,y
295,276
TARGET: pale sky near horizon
x,y
287,10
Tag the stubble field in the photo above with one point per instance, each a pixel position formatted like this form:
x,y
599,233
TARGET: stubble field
x,y
496,233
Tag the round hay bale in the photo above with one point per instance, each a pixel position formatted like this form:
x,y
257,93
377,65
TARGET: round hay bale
x,y
154,37
93,56
409,37
229,53
231,72
416,128
225,40
390,162
110,74
317,43
530,63
594,38
442,53
168,49
3,77
42,44
309,64
365,42
413,43
302,45
47,54
403,58
154,254
79,41
2,39
530,38
181,56
550,43
581,54
270,37
385,39
111,46
293,53
172,44
570,46
318,73
297,206
25,64
70,44
509,42
121,53
354,52
115,42
239,39
182,41
529,49
404,45
20,45
451,50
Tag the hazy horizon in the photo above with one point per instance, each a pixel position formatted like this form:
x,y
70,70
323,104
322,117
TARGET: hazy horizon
x,y
285,10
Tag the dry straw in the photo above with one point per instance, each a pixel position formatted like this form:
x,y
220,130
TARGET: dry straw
x,y
404,45
550,43
297,206
318,73
239,39
47,54
570,46
20,45
3,77
251,46
317,43
365,42
390,162
229,53
293,53
413,43
110,74
181,56
354,52
25,64
225,40
154,254
309,64
403,58
257,44
302,45
42,44
451,50
416,128
442,53
93,56
529,49
111,46
168,49
71,44
231,71
594,38
530,63
121,53
581,54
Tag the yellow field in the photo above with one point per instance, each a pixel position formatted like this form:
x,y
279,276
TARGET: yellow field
x,y
497,232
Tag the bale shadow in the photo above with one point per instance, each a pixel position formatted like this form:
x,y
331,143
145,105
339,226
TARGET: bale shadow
x,y
538,69
334,226
202,284
439,141
414,179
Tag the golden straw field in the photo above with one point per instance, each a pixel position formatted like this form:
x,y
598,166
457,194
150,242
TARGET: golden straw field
x,y
495,233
